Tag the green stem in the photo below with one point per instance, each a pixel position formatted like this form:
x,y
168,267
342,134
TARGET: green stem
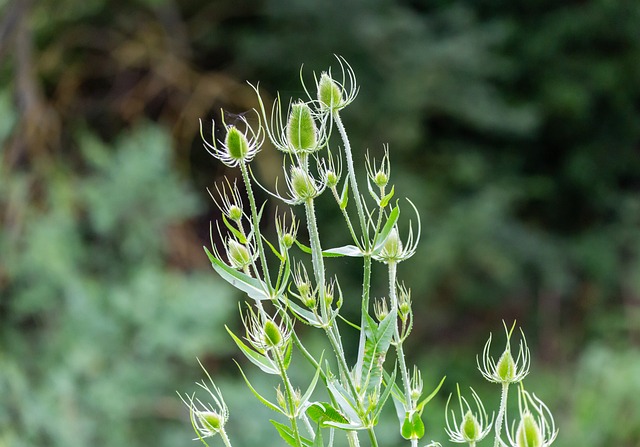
x,y
352,179
393,269
331,330
501,413
256,223
366,286
225,438
288,389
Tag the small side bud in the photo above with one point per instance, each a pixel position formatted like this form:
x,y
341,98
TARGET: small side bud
x,y
380,309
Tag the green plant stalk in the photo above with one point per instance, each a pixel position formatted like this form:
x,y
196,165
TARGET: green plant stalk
x,y
366,280
331,330
288,390
225,438
502,412
352,179
393,271
366,286
256,224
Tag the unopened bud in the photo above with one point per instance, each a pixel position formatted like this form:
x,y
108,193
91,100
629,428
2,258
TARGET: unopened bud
x,y
301,128
236,144
239,255
506,367
272,334
470,427
302,186
528,433
329,92
235,213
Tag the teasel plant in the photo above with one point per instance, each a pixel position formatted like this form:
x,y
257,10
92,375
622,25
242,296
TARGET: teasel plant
x,y
285,283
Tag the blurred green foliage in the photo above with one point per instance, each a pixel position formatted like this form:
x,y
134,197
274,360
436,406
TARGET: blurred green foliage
x,y
514,127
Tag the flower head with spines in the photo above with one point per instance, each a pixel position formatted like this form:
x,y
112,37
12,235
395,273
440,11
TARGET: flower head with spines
x,y
207,419
506,369
536,427
473,426
239,146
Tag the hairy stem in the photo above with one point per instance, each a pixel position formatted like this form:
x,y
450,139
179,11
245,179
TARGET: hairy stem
x,y
502,413
352,179
288,390
256,223
393,271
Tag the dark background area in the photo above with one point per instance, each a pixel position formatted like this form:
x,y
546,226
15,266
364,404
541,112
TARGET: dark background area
x,y
513,126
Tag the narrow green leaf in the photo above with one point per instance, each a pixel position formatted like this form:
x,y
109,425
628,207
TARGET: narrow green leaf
x,y
268,404
378,340
312,386
386,199
241,238
344,197
254,288
345,402
384,233
287,355
273,249
286,433
323,412
304,315
261,361
346,250
425,401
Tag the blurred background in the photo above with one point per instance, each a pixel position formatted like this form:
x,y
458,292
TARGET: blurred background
x,y
513,126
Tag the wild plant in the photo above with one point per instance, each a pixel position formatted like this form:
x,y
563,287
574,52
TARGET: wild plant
x,y
286,284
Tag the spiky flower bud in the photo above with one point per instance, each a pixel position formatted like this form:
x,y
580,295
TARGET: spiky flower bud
x,y
474,424
381,179
536,427
272,334
507,369
470,427
329,92
380,309
235,213
392,248
528,433
331,179
302,134
236,144
239,256
302,185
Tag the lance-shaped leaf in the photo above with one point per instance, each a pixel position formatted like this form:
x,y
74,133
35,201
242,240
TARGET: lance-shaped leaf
x,y
344,197
261,361
386,199
286,433
425,401
338,252
266,403
304,315
346,250
241,237
254,288
388,226
378,340
323,413
347,405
